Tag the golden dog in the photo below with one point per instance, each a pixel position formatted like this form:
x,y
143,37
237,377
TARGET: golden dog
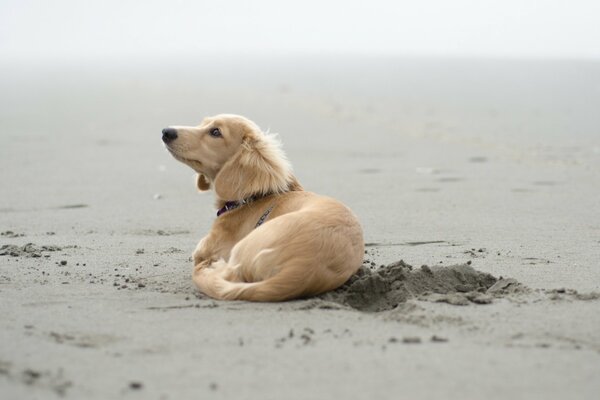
x,y
271,241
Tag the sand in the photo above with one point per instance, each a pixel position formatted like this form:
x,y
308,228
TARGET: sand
x,y
477,184
389,286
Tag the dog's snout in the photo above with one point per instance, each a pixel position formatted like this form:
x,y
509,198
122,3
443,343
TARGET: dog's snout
x,y
169,134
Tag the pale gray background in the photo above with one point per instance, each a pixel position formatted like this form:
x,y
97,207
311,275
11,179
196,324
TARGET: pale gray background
x,y
112,29
461,125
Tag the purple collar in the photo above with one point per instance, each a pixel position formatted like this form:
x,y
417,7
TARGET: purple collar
x,y
230,205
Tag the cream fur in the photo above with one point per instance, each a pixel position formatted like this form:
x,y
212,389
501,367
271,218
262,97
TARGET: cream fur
x,y
308,245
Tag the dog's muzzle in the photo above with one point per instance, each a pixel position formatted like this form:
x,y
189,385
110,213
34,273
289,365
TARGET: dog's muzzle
x,y
169,134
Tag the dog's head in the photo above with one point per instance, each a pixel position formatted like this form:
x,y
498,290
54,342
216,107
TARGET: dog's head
x,y
231,153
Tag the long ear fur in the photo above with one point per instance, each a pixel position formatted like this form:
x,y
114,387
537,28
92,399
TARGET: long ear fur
x,y
202,183
258,168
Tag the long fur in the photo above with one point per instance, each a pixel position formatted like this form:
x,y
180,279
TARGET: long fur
x,y
258,168
308,245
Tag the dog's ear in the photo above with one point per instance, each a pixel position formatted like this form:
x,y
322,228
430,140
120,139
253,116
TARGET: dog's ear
x,y
258,168
202,183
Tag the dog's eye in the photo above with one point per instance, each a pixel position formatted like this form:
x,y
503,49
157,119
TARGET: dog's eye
x,y
215,132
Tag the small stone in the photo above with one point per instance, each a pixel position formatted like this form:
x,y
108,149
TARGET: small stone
x,y
411,340
480,298
426,269
456,299
136,385
306,339
63,262
31,376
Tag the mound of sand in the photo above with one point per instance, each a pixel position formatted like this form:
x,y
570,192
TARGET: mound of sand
x,y
395,283
27,250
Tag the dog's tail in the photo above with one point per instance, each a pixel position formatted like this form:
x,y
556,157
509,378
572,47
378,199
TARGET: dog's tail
x,y
219,282
280,287
268,266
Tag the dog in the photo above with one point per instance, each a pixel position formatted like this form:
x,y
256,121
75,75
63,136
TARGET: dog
x,y
271,240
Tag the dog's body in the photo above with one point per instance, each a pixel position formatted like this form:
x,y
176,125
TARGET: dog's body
x,y
272,241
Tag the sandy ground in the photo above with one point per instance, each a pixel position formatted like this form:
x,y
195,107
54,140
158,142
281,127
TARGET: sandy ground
x,y
486,163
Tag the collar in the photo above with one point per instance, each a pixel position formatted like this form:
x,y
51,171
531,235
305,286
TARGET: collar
x,y
232,205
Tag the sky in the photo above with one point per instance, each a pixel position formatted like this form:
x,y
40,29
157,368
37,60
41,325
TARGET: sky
x,y
109,29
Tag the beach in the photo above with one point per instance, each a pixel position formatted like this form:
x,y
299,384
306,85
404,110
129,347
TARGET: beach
x,y
486,172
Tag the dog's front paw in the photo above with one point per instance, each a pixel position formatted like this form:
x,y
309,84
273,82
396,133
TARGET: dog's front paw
x,y
201,265
197,257
200,254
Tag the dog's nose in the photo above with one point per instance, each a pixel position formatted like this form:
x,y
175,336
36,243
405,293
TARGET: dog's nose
x,y
169,134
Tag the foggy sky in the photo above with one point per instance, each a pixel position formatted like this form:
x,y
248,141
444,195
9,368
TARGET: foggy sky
x,y
70,29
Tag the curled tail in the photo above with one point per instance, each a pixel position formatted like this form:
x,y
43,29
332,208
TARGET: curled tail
x,y
214,281
268,265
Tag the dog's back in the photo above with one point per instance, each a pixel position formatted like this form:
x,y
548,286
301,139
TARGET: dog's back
x,y
302,252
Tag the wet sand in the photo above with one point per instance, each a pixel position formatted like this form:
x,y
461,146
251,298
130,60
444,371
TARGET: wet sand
x,y
482,176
